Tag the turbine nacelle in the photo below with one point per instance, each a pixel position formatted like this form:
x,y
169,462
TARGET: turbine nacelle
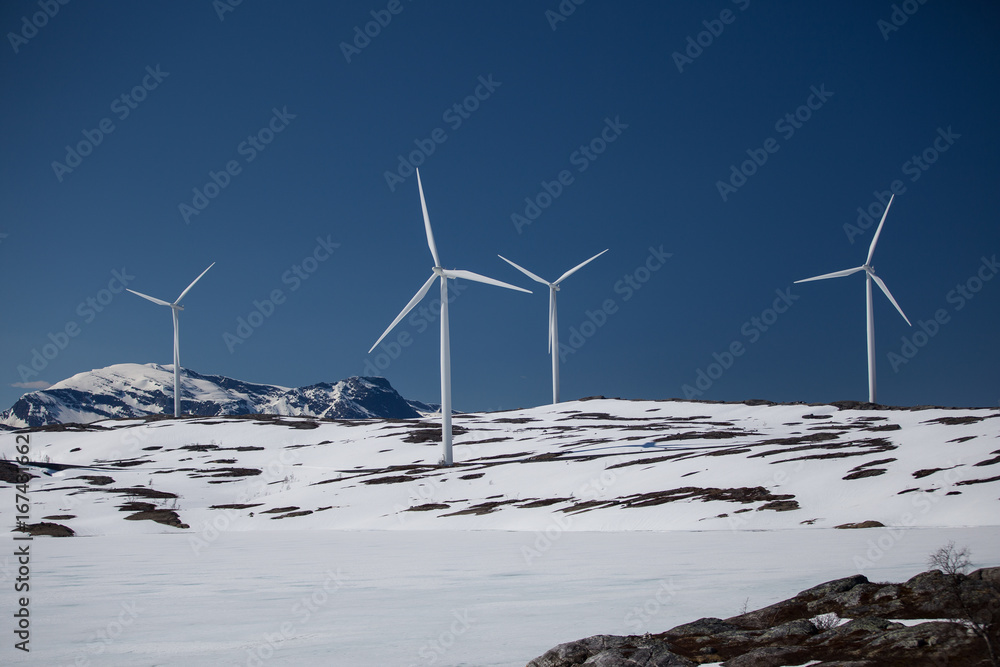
x,y
870,276
175,308
553,314
437,272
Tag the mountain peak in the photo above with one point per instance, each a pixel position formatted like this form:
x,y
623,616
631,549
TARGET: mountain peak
x,y
123,391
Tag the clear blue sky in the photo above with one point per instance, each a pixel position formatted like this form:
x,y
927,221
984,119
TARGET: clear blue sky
x,y
301,131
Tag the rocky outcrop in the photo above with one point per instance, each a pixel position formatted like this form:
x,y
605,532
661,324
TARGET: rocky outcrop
x,y
845,622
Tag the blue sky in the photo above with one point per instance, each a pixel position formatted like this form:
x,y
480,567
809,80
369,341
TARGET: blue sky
x,y
144,141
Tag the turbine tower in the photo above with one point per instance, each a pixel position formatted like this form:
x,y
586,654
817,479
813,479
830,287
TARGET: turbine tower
x,y
443,274
553,317
175,308
869,277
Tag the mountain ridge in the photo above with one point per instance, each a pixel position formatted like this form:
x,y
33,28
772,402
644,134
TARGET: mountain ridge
x,y
123,391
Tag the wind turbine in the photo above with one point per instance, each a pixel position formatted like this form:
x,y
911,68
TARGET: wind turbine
x,y
553,317
175,308
869,277
444,275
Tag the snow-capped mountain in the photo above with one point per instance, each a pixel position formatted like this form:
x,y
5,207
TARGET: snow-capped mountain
x,y
137,390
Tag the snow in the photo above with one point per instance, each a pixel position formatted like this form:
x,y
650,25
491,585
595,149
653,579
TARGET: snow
x,y
398,598
388,573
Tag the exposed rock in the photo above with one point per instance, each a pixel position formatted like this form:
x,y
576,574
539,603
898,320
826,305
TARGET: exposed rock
x,y
784,634
46,528
861,524
611,651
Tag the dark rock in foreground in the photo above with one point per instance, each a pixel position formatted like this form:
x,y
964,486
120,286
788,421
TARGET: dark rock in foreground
x,y
811,626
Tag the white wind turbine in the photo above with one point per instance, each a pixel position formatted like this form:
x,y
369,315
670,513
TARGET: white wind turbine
x,y
175,308
553,317
869,277
444,275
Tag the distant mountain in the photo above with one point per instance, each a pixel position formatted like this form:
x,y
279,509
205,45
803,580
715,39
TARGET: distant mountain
x,y
138,390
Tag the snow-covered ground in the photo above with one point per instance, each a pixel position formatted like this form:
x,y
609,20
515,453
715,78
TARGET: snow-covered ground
x,y
295,541
358,598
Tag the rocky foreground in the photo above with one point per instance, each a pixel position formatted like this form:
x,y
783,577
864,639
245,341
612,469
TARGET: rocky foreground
x,y
932,619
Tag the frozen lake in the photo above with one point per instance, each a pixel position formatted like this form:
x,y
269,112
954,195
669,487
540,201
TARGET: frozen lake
x,y
485,598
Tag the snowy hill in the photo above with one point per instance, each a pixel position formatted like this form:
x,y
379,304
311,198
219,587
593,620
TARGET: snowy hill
x,y
593,465
137,390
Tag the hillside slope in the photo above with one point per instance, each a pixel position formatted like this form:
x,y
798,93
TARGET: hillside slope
x,y
596,465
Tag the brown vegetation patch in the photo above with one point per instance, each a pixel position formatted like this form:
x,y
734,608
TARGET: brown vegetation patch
x,y
199,448
280,510
867,472
229,472
392,479
956,421
482,508
978,481
96,480
45,528
427,507
149,512
546,502
425,434
235,506
143,492
780,506
861,524
291,514
13,474
992,461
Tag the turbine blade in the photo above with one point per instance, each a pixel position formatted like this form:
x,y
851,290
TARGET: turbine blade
x,y
835,274
427,223
184,293
579,266
871,248
885,289
151,298
469,275
413,302
525,271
